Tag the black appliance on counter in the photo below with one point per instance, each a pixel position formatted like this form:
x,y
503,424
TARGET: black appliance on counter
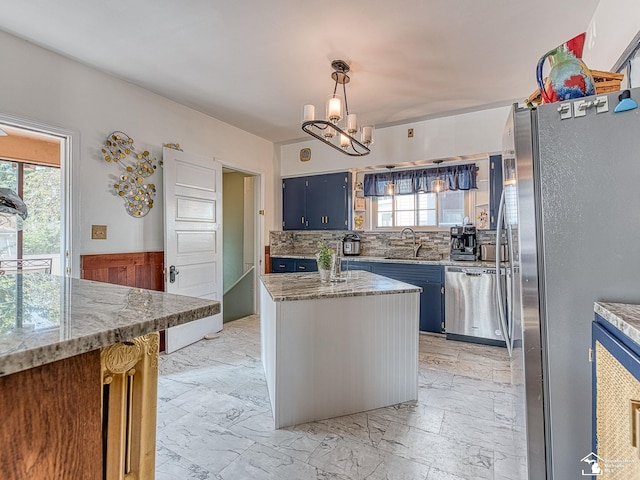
x,y
351,244
464,245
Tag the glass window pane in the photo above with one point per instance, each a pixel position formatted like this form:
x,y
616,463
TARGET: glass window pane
x,y
8,221
405,218
426,218
384,219
427,200
451,208
405,202
41,230
384,204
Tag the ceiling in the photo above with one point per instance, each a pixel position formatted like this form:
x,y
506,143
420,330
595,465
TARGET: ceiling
x,y
253,64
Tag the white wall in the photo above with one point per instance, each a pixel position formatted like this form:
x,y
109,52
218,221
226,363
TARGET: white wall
x,y
453,136
45,87
612,28
461,135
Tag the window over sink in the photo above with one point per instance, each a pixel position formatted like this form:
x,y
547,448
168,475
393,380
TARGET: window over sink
x,y
445,209
415,203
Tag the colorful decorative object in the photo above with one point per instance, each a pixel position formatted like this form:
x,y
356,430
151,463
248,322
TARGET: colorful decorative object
x,y
135,166
358,222
569,77
482,218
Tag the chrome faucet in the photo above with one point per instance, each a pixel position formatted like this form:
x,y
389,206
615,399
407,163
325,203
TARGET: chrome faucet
x,y
413,234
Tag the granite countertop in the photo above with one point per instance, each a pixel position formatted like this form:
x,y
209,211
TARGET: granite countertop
x,y
417,261
62,317
307,286
623,316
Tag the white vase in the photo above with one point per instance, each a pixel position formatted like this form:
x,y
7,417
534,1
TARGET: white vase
x,y
325,274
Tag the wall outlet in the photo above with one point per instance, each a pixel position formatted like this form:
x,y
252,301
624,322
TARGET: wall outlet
x,y
410,133
99,232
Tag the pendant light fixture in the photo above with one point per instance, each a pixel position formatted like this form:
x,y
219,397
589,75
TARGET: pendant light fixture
x,y
438,185
391,187
326,130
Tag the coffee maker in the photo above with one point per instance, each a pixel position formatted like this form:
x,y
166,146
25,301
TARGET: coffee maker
x,y
463,243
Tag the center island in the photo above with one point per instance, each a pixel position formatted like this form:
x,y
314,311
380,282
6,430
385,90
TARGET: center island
x,y
333,349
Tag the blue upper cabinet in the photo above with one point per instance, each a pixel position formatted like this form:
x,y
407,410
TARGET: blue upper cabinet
x,y
495,188
322,201
293,201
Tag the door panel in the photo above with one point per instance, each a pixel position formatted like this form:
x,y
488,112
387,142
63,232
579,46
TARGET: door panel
x,y
193,214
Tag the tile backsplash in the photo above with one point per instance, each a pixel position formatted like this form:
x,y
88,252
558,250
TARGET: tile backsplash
x,y
435,244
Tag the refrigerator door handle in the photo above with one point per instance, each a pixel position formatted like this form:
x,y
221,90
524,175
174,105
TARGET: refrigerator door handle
x,y
500,299
510,293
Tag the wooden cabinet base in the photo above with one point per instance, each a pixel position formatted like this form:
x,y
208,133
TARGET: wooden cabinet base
x,y
92,416
51,424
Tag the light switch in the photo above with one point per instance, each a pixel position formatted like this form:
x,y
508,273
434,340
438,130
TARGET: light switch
x,y
99,232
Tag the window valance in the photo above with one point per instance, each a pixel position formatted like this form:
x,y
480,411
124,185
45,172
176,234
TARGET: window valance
x,y
406,182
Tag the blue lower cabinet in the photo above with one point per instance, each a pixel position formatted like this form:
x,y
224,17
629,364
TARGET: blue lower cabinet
x,y
289,265
429,277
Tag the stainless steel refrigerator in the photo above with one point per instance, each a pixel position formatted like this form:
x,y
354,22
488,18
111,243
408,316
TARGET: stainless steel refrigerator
x,y
572,221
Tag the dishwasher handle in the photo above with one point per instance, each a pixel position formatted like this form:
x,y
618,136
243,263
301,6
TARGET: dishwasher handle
x,y
472,271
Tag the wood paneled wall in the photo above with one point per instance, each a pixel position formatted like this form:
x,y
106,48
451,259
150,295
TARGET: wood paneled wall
x,y
140,269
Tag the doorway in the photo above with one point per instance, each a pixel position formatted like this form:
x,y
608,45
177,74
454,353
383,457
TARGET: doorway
x,y
240,233
35,164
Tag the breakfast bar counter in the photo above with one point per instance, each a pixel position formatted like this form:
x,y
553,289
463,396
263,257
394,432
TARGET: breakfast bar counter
x,y
332,349
78,375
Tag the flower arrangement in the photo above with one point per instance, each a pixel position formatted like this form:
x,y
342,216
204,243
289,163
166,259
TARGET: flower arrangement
x,y
324,256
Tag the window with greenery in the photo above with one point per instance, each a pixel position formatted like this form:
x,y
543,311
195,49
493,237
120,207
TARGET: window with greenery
x,y
39,234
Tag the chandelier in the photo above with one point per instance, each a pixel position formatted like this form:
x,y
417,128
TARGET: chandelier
x,y
327,130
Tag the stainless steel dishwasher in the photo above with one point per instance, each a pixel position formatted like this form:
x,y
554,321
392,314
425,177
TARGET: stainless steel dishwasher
x,y
471,306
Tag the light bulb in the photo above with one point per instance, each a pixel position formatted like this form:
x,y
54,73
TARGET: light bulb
x,y
334,108
352,123
367,135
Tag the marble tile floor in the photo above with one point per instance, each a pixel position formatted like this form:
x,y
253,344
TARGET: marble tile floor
x,y
214,419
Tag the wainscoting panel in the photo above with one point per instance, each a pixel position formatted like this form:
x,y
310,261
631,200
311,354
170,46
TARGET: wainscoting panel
x,y
138,269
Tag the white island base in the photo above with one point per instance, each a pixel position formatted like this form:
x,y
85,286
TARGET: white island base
x,y
337,349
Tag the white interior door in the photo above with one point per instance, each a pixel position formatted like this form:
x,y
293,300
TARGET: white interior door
x,y
192,238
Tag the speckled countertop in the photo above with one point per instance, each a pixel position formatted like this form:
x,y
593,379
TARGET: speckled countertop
x,y
307,286
417,261
62,317
623,316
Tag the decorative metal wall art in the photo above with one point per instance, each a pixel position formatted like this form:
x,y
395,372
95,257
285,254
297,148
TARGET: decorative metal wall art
x,y
174,146
135,166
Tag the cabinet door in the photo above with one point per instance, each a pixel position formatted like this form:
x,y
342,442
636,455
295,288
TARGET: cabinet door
x,y
282,265
616,377
293,203
431,308
306,265
328,204
495,188
337,202
348,265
